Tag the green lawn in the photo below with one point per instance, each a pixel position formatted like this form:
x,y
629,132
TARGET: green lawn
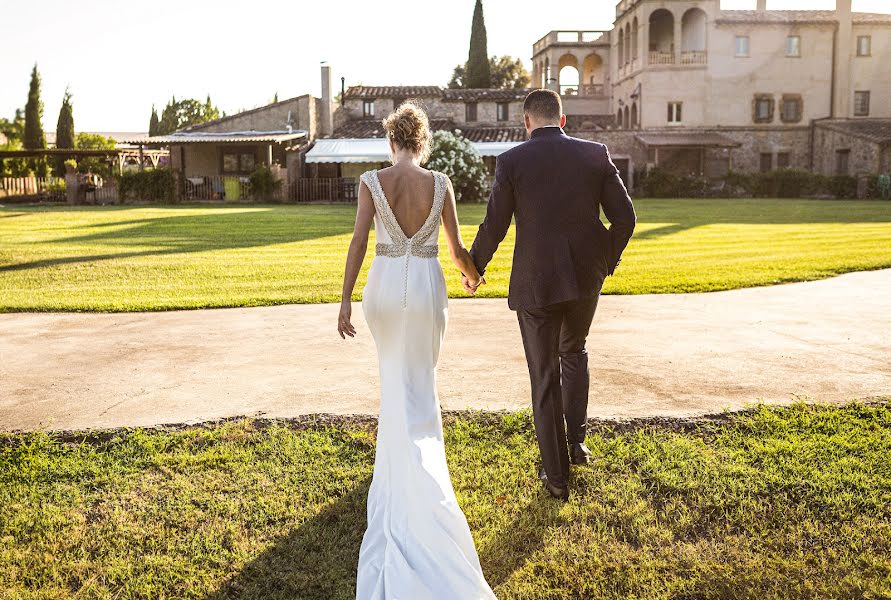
x,y
155,258
775,503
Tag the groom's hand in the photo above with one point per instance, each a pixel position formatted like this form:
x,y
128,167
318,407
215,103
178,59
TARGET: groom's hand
x,y
470,289
467,287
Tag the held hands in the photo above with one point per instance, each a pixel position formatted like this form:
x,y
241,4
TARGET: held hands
x,y
344,327
471,287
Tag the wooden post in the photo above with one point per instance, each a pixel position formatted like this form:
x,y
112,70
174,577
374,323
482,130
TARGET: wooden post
x,y
141,158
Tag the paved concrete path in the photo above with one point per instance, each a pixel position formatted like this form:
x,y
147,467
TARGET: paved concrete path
x,y
669,355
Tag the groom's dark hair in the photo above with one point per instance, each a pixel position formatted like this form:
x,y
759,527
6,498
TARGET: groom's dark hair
x,y
543,104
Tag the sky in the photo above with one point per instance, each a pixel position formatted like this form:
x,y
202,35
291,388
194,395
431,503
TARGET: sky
x,y
119,58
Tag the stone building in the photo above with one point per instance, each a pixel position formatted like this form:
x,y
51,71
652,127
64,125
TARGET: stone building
x,y
698,89
492,119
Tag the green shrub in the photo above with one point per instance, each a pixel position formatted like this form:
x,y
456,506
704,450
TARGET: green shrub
x,y
157,185
264,185
843,187
454,155
659,183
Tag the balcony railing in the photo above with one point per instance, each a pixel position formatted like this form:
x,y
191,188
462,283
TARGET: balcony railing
x,y
661,58
698,57
586,90
567,37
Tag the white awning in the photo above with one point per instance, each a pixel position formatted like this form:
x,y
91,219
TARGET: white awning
x,y
370,150
494,148
373,150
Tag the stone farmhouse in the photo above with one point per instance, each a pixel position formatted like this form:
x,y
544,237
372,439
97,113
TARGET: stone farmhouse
x,y
678,84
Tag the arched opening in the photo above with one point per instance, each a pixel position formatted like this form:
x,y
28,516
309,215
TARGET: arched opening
x,y
619,119
693,34
621,47
627,43
661,37
592,75
634,37
627,122
634,122
568,77
546,74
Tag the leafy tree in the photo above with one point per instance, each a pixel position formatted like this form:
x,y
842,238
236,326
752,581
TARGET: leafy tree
x,y
507,73
478,74
64,133
184,113
275,98
455,156
93,164
154,122
34,137
14,131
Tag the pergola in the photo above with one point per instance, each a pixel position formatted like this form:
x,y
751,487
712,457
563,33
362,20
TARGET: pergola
x,y
118,156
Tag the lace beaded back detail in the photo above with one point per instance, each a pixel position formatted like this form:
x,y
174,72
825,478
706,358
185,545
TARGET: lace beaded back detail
x,y
402,245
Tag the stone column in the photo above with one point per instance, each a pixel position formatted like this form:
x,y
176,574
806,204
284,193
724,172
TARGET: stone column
x,y
71,184
678,39
327,113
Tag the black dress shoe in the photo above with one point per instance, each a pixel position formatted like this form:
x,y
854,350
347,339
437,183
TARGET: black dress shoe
x,y
579,454
560,493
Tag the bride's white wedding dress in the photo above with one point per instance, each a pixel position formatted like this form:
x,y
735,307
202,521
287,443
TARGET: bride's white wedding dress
x,y
417,545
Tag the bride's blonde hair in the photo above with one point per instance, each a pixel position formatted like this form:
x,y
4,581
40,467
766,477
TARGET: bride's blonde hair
x,y
409,129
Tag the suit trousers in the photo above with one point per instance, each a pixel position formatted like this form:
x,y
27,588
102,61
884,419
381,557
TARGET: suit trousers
x,y
554,341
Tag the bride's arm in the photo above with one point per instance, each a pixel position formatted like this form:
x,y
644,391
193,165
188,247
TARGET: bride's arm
x,y
457,250
355,258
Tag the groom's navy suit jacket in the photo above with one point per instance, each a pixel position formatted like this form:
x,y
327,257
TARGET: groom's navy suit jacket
x,y
554,185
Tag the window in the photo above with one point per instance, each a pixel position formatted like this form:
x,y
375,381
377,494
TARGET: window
x,y
470,112
782,160
368,108
842,160
674,112
791,112
238,160
762,109
861,104
793,46
766,162
503,111
742,45
864,45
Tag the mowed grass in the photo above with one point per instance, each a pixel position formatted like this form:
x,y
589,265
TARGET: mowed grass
x,y
775,503
156,258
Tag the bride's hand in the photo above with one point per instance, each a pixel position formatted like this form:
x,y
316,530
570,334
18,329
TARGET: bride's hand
x,y
344,327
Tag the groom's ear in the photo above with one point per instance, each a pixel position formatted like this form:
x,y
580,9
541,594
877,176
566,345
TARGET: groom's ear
x,y
562,121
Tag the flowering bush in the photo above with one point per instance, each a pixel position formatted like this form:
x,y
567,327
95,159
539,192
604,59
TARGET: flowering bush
x,y
455,156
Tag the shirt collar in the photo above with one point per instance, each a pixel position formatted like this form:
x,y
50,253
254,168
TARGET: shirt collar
x,y
547,130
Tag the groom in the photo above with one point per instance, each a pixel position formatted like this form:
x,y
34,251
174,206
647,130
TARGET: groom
x,y
554,186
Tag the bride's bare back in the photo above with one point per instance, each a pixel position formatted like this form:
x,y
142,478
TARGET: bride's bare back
x,y
409,192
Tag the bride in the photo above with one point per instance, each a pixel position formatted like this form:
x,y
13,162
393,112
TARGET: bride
x,y
417,544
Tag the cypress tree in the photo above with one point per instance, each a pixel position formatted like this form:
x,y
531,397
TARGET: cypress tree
x,y
64,133
35,138
153,122
478,74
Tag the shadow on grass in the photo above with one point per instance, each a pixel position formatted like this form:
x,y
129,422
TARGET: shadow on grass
x,y
198,233
521,538
317,560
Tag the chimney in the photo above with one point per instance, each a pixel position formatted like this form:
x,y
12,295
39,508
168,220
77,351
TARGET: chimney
x,y
326,127
762,5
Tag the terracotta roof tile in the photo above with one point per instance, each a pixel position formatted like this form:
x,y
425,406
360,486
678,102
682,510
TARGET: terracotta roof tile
x,y
372,128
875,130
475,95
392,91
